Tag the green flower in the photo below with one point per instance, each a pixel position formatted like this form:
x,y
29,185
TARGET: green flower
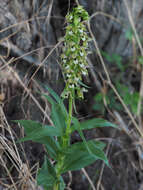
x,y
74,56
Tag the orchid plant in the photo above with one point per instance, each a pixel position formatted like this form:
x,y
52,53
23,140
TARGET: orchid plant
x,y
62,156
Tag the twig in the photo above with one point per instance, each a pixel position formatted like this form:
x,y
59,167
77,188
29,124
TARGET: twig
x,y
88,178
77,2
3,163
102,168
22,55
70,181
42,63
122,124
25,22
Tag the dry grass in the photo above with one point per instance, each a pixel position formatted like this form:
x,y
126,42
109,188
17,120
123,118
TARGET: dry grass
x,y
10,159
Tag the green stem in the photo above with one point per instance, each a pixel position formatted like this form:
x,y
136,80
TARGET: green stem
x,y
56,187
66,139
70,116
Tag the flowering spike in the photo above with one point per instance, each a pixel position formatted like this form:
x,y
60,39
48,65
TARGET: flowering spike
x,y
74,57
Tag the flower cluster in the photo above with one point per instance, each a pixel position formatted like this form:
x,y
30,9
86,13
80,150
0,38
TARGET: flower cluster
x,y
74,56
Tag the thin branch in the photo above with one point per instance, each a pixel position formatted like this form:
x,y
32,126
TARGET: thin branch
x,y
88,178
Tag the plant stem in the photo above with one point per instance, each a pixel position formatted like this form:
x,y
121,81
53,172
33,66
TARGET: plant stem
x,y
70,116
56,187
66,139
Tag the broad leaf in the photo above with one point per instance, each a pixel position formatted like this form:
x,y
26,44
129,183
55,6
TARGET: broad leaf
x,y
39,133
36,133
50,100
78,128
58,100
51,145
77,156
93,123
46,175
58,118
29,125
54,95
97,152
93,152
62,184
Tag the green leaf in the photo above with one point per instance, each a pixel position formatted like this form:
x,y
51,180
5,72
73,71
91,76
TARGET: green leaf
x,y
129,34
59,113
58,99
39,133
99,107
45,179
93,123
50,100
77,155
54,95
82,84
118,60
46,175
99,97
140,60
62,184
134,102
36,133
107,56
29,125
78,128
47,165
94,152
97,152
58,118
51,145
